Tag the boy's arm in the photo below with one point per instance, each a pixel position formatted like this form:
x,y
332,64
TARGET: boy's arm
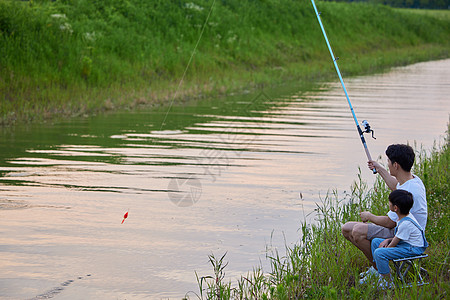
x,y
384,221
385,243
390,180
394,242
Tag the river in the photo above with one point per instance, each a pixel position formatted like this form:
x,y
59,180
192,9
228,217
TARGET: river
x,y
211,176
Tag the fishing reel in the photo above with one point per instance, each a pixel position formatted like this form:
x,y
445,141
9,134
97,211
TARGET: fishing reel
x,y
367,128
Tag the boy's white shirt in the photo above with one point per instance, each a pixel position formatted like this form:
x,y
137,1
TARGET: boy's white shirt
x,y
408,232
419,209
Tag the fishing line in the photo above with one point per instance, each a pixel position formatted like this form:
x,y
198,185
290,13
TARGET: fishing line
x,y
188,64
182,78
366,125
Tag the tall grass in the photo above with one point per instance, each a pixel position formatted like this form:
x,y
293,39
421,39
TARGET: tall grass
x,y
78,56
323,265
443,14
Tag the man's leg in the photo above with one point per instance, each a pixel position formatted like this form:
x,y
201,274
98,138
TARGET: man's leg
x,y
356,233
347,230
360,237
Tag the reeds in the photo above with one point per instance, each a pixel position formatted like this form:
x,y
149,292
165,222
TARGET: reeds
x,y
323,265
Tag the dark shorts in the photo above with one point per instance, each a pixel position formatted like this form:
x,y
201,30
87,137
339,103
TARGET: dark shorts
x,y
376,231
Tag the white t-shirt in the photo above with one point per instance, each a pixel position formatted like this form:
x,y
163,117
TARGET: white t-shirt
x,y
408,232
419,209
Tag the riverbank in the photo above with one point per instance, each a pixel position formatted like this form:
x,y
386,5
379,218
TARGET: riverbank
x,y
62,60
324,265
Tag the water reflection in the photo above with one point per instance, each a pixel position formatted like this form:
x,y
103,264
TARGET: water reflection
x,y
219,175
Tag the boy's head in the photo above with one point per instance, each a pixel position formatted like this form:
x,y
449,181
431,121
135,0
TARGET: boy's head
x,y
401,154
402,199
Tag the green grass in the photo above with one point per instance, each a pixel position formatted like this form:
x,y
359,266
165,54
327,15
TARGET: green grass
x,y
68,58
442,14
324,265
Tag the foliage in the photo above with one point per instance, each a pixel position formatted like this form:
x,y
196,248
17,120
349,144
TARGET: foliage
x,y
432,4
74,57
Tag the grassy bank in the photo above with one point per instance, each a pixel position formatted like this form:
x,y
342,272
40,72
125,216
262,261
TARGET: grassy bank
x,y
443,14
324,265
68,58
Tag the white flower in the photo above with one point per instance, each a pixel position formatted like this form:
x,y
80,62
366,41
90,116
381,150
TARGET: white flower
x,y
90,36
193,6
66,27
59,16
231,39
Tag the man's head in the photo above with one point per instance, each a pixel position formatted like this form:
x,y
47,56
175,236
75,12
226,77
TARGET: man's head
x,y
402,199
403,155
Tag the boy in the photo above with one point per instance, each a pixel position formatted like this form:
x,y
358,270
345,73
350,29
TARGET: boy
x,y
409,237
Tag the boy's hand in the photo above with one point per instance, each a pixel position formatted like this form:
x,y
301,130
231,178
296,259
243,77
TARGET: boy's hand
x,y
385,243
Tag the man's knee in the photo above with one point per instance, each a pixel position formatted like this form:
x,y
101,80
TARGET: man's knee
x,y
347,229
359,232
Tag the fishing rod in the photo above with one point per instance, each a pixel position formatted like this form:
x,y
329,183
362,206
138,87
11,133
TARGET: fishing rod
x,y
366,125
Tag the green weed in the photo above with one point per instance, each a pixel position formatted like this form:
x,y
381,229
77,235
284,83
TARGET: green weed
x,y
65,58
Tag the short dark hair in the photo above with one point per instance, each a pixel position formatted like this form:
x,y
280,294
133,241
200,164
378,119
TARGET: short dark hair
x,y
403,199
401,154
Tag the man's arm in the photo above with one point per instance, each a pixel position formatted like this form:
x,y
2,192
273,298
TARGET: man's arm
x,y
384,221
391,181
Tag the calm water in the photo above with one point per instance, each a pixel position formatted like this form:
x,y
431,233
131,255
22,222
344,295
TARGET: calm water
x,y
218,176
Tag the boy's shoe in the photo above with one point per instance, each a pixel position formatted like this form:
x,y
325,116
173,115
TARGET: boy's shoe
x,y
371,270
384,284
370,277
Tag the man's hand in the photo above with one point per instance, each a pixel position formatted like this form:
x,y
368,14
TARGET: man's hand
x,y
385,243
373,165
366,216
390,180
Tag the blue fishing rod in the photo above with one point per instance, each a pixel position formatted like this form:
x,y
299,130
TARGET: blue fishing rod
x,y
366,125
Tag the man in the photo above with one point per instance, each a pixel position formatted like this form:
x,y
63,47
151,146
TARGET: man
x,y
400,161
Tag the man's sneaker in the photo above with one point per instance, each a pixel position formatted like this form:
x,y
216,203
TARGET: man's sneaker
x,y
371,270
384,284
370,277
